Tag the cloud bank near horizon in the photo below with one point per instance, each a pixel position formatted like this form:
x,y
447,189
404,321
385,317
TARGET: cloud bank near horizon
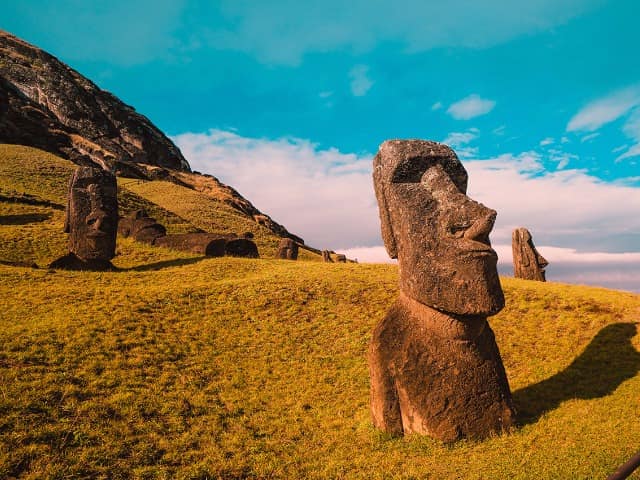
x,y
326,196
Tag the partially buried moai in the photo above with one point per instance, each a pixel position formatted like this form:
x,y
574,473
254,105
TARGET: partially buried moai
x,y
434,364
527,262
91,220
288,249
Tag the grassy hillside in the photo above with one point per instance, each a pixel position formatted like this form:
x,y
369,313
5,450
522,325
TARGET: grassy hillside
x,y
178,366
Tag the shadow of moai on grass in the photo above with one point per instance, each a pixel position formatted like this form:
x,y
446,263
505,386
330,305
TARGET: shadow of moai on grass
x,y
609,360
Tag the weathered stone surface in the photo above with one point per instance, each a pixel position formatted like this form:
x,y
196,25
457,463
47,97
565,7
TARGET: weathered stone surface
x,y
326,256
46,104
447,261
527,262
141,227
435,367
71,262
209,244
288,249
91,218
341,258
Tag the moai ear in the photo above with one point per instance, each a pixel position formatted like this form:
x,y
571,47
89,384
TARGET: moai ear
x,y
385,219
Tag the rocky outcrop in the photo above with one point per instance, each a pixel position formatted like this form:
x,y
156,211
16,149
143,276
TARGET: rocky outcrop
x,y
209,244
46,104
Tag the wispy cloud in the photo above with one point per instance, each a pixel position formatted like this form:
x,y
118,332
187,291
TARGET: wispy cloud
x,y
360,81
546,141
605,110
460,142
283,32
616,105
470,107
436,106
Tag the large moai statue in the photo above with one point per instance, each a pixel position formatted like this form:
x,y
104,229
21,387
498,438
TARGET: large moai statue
x,y
91,220
326,256
434,364
527,262
288,249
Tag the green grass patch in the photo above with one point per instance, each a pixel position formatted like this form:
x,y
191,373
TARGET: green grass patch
x,y
179,366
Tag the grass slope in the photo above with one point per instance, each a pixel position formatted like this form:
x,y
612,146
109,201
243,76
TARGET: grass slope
x,y
178,366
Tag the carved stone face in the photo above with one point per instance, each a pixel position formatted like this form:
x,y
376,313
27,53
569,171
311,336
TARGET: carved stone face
x,y
92,214
438,234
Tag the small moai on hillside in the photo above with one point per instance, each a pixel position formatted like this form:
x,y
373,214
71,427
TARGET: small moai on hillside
x,y
91,220
288,249
434,363
326,256
527,262
341,258
139,225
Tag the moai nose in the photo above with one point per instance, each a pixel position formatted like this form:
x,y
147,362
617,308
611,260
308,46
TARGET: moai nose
x,y
482,226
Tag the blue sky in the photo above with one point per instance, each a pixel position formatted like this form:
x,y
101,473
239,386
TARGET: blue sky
x,y
287,101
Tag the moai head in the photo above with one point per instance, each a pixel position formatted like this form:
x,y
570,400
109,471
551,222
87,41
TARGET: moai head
x,y
288,249
527,261
439,235
92,214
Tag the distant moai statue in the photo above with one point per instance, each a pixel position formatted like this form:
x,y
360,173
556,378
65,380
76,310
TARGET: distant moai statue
x,y
326,256
288,249
527,262
434,364
341,258
91,220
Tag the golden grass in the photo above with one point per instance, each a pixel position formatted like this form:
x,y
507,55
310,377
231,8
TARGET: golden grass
x,y
178,366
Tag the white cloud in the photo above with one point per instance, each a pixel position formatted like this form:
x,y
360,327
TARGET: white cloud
x,y
546,141
326,196
589,137
360,81
568,265
282,32
376,254
605,110
459,142
436,106
470,107
323,195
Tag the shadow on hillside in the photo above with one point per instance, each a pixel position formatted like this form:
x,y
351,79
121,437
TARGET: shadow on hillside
x,y
178,262
24,218
608,360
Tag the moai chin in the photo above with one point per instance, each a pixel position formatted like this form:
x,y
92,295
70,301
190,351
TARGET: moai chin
x,y
434,364
527,262
91,220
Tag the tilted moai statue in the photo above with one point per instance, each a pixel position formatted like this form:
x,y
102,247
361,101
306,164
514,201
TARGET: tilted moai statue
x,y
288,249
527,262
91,220
326,256
434,364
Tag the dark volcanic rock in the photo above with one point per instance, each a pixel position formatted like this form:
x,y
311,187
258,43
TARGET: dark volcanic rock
x,y
48,105
341,258
435,367
209,244
527,262
141,227
288,249
91,219
72,262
